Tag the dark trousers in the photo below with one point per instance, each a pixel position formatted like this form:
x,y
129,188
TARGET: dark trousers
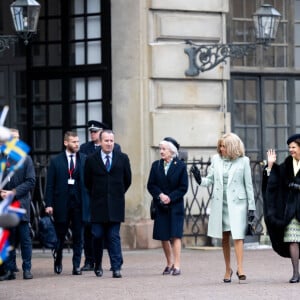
x,y
20,235
74,220
110,232
88,244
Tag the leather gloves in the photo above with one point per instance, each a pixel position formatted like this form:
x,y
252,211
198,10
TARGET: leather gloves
x,y
251,216
196,172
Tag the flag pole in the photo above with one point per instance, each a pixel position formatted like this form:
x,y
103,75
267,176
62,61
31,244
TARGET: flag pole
x,y
11,173
3,115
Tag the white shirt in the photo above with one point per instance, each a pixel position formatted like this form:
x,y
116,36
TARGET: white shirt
x,y
69,158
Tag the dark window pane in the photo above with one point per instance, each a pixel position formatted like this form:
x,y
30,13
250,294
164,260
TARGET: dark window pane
x,y
55,115
54,27
54,90
40,115
39,140
54,51
56,140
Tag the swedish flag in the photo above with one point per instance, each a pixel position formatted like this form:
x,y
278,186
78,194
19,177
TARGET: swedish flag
x,y
15,149
2,164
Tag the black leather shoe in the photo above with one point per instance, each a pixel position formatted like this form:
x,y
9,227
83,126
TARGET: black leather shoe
x,y
98,272
117,274
57,255
57,266
76,271
9,275
294,279
57,269
27,275
87,267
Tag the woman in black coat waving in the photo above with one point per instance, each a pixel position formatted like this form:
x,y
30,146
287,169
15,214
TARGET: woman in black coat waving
x,y
281,189
168,183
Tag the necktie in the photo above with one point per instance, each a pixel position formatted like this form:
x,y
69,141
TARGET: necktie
x,y
107,163
71,162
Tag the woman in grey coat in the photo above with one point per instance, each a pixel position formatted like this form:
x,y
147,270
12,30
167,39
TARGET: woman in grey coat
x,y
233,196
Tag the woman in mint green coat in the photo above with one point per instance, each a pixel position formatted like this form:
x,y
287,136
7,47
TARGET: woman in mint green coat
x,y
233,197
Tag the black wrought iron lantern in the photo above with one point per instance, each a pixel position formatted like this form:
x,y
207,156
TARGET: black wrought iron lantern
x,y
266,20
204,57
25,14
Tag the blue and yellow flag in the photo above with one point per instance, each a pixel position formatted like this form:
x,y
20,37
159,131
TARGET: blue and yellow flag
x,y
2,164
15,149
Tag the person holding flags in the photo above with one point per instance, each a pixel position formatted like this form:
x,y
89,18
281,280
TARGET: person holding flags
x,y
17,182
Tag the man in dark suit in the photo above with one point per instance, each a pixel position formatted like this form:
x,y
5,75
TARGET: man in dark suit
x,y
88,148
65,198
107,176
20,185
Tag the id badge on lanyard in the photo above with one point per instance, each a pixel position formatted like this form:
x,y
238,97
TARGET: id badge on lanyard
x,y
71,180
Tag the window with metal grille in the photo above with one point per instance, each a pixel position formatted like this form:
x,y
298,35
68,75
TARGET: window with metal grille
x,y
68,72
264,87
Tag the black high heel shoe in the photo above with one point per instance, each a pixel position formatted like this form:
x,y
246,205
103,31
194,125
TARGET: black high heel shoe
x,y
168,270
228,280
241,277
294,279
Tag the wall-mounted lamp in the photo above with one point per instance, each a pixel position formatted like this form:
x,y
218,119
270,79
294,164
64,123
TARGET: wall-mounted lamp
x,y
25,14
205,57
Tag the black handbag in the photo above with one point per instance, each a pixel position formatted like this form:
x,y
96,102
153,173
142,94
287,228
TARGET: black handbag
x,y
152,210
250,229
254,228
47,233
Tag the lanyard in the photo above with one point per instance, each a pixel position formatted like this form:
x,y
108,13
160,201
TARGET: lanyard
x,y
70,171
71,166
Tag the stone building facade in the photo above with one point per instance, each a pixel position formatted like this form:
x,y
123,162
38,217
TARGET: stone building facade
x,y
152,97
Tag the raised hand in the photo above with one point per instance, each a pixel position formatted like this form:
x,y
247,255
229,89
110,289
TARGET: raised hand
x,y
271,157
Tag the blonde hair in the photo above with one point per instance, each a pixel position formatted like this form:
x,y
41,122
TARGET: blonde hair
x,y
234,146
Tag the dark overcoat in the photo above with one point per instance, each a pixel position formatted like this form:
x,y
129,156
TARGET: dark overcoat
x,y
169,219
23,181
107,188
89,148
281,203
57,188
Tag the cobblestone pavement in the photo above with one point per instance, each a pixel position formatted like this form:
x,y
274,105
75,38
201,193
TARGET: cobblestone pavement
x,y
201,278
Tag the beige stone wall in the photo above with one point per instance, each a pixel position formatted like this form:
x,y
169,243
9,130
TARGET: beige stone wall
x,y
152,98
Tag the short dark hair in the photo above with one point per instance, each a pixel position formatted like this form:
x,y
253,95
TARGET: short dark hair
x,y
68,134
